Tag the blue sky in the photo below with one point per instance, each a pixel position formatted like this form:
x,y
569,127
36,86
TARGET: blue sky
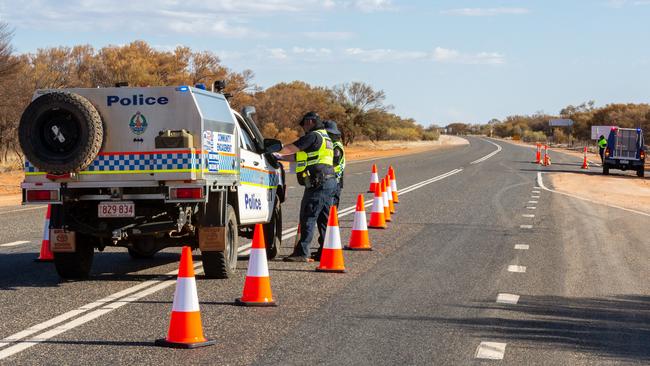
x,y
438,61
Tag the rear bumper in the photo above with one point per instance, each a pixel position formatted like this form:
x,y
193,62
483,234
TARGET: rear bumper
x,y
623,164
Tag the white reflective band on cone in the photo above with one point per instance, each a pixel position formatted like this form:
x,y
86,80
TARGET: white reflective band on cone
x,y
332,238
257,265
359,221
393,185
378,204
46,230
374,178
385,195
185,298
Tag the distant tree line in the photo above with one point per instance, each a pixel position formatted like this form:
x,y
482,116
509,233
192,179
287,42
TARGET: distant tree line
x,y
359,109
535,127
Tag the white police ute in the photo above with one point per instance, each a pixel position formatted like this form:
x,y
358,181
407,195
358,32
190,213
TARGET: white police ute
x,y
147,169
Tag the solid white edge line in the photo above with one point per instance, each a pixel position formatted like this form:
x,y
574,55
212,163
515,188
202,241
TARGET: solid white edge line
x,y
23,209
540,182
15,243
516,268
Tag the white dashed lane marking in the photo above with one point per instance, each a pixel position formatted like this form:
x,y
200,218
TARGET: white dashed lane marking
x,y
531,208
490,351
522,246
535,197
526,226
530,216
535,192
532,201
516,268
507,298
14,243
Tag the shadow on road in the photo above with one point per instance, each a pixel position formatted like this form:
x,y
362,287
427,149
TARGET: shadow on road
x,y
613,327
19,269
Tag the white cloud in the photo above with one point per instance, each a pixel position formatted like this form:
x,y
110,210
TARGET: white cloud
x,y
277,54
222,18
373,5
311,51
439,54
329,36
486,12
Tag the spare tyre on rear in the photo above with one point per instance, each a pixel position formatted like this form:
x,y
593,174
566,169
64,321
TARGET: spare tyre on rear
x,y
60,133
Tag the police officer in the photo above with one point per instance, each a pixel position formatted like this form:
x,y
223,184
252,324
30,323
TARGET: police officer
x,y
314,156
602,144
339,157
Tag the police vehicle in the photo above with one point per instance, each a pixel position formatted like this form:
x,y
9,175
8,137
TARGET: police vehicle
x,y
147,169
625,150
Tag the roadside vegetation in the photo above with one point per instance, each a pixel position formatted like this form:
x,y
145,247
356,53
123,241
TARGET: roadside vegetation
x,y
535,127
359,109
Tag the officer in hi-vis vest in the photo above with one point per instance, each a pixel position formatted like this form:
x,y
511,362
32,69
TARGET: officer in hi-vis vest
x,y
314,157
339,157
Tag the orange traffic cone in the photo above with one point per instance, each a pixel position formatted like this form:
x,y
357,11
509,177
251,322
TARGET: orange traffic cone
x,y
46,254
377,220
384,195
389,193
257,287
185,330
374,179
547,158
393,184
585,164
359,237
538,155
331,260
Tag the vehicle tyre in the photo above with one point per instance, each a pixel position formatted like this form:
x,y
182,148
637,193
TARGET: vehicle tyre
x,y
605,170
640,173
61,133
143,248
76,265
273,231
223,264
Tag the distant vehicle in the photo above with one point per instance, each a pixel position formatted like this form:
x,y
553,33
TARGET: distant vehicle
x,y
625,150
147,169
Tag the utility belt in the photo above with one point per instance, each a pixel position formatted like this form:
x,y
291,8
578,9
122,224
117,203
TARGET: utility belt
x,y
310,180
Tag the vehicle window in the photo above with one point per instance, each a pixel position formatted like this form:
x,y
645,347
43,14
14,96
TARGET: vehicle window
x,y
246,140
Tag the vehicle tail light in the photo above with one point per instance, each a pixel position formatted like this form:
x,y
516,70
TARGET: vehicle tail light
x,y
607,152
36,195
642,155
186,193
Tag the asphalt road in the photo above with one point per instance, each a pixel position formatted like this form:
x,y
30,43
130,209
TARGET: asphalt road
x,y
427,294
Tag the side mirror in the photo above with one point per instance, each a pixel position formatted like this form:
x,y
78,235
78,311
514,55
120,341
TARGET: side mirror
x,y
272,145
248,112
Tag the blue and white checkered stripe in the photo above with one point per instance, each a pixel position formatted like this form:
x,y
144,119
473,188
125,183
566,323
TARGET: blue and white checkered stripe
x,y
137,163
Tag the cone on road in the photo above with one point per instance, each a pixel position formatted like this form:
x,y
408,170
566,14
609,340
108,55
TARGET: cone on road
x,y
389,193
331,260
585,164
547,158
393,184
46,253
359,238
374,179
257,286
185,330
384,195
538,155
377,220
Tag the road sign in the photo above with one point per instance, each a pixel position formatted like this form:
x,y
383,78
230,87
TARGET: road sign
x,y
597,131
560,122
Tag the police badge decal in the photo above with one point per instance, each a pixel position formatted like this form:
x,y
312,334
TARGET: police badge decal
x,y
138,123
